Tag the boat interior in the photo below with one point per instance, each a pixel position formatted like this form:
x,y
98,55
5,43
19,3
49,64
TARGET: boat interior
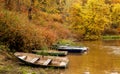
x,y
42,60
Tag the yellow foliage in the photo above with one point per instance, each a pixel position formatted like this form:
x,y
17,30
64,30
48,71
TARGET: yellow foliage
x,y
115,1
91,19
115,15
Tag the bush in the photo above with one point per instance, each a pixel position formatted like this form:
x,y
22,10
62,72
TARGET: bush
x,y
110,32
58,29
19,34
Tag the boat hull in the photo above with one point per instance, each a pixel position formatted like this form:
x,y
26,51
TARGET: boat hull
x,y
43,66
36,63
73,49
50,52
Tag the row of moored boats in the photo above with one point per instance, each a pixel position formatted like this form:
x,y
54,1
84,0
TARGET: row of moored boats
x,y
49,58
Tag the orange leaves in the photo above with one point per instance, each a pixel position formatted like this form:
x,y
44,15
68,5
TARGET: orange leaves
x,y
49,36
118,29
58,29
115,1
23,35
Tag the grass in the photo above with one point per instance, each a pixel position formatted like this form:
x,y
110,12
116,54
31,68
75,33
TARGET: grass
x,y
10,65
50,53
69,42
65,41
111,37
16,69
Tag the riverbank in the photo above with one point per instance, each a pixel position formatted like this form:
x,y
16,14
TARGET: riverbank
x,y
90,62
13,66
111,37
9,64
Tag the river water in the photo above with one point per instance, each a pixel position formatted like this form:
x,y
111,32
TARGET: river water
x,y
103,57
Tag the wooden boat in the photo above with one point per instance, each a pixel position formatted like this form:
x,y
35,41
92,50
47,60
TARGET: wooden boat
x,y
43,61
73,49
50,52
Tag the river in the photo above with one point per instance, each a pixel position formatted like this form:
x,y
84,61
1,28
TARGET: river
x,y
103,57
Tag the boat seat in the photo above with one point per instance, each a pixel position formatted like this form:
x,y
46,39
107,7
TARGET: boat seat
x,y
62,64
22,57
34,60
47,61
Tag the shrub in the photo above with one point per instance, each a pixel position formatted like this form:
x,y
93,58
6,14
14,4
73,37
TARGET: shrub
x,y
59,30
19,34
111,32
49,36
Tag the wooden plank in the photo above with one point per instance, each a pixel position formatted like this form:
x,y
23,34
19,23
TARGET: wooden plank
x,y
22,57
47,61
62,64
34,60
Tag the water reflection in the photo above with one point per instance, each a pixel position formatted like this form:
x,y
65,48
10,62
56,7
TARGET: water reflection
x,y
111,42
114,49
96,61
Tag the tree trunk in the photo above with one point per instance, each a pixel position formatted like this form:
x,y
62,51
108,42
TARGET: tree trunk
x,y
30,10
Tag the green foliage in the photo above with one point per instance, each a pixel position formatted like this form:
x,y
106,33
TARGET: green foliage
x,y
65,41
111,37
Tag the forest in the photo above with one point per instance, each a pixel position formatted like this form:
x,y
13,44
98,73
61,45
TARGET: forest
x,y
37,24
27,25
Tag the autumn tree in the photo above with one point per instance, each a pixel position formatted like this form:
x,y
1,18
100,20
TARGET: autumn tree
x,y
91,20
115,15
98,18
115,1
76,20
